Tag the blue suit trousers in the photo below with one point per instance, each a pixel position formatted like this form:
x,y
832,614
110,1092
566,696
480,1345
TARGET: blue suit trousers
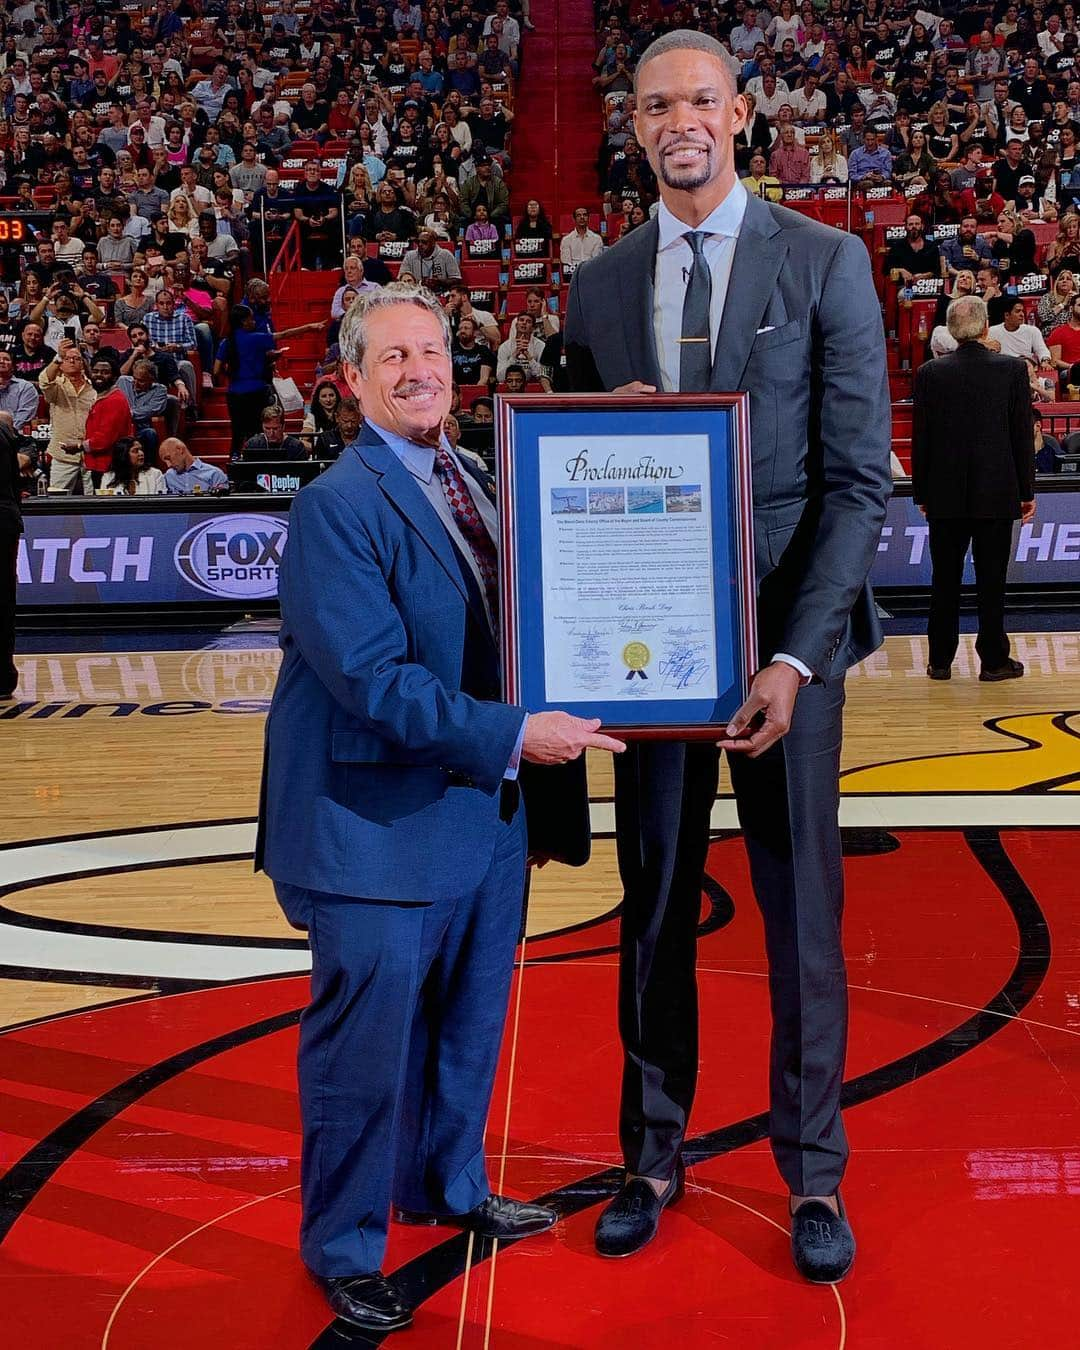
x,y
397,1057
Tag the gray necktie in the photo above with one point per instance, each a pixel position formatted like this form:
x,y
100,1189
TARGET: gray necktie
x,y
695,349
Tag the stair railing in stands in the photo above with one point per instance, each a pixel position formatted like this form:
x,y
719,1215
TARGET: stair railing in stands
x,y
286,262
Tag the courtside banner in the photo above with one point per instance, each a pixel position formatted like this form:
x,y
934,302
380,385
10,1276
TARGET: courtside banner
x,y
1047,551
230,551
132,556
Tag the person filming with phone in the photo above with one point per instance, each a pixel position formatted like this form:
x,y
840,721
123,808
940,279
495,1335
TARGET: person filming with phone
x,y
70,395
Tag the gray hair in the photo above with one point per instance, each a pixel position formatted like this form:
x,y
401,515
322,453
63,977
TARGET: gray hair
x,y
685,40
352,338
967,318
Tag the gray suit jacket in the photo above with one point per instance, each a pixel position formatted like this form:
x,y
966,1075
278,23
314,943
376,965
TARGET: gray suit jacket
x,y
820,414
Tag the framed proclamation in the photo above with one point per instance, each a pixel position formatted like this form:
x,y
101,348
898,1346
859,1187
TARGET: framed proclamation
x,y
627,558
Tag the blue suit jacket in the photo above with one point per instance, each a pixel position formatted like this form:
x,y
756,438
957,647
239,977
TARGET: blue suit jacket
x,y
385,745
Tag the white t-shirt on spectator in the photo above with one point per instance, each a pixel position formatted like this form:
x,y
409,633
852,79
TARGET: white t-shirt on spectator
x,y
1027,342
808,107
770,106
942,341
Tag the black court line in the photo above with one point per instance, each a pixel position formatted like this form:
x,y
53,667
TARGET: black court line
x,y
22,1182
419,1279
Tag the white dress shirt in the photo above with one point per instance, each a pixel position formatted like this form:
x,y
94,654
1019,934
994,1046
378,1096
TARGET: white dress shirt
x,y
674,258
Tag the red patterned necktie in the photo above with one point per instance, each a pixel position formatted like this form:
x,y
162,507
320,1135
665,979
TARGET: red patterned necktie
x,y
473,530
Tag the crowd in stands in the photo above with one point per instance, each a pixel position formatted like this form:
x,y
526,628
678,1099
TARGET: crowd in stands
x,y
158,156
161,157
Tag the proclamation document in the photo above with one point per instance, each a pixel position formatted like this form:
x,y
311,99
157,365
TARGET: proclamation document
x,y
629,576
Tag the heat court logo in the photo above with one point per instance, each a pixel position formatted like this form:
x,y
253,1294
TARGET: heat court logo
x,y
234,556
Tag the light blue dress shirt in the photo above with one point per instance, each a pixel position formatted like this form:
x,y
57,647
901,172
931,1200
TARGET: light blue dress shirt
x,y
674,258
420,462
205,476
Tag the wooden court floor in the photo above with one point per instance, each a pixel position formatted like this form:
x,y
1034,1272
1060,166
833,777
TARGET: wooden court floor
x,y
114,742
150,993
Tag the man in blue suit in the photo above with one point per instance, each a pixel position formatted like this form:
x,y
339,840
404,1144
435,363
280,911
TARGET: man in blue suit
x,y
390,819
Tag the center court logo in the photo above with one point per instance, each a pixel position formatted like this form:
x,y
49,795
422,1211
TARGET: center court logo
x,y
234,556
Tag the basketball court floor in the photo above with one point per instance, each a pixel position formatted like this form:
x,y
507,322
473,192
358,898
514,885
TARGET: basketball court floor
x,y
150,992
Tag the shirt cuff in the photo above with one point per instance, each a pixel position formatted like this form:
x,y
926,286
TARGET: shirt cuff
x,y
793,661
512,768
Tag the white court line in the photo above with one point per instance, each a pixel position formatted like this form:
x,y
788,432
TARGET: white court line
x,y
40,863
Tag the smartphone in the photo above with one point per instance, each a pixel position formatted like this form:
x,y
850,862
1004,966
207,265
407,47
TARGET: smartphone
x,y
69,331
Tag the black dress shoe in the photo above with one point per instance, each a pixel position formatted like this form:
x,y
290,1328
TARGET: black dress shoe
x,y
497,1217
822,1243
631,1220
939,672
1011,670
367,1301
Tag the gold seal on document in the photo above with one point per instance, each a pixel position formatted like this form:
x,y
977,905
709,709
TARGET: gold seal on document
x,y
636,655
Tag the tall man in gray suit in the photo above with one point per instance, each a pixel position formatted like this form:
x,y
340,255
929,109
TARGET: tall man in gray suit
x,y
725,291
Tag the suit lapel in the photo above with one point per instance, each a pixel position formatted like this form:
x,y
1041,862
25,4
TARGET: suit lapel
x,y
403,490
636,283
759,255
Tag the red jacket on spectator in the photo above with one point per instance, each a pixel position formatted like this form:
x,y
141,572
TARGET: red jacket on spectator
x,y
108,421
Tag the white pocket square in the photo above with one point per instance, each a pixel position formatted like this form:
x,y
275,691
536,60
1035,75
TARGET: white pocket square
x,y
767,329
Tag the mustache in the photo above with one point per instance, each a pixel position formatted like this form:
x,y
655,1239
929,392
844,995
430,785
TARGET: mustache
x,y
417,387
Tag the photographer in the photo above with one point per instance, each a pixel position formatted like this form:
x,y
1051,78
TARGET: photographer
x,y
70,396
63,309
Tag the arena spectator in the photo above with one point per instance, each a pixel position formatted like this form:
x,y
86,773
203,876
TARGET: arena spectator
x,y
31,353
173,331
390,219
1056,305
870,164
520,348
533,223
97,285
1064,345
485,186
133,306
109,418
913,257
148,398
967,251
185,474
460,306
1016,337
759,181
545,321
480,227
582,243
272,442
473,363
429,264
18,397
332,440
515,381
789,161
130,474
70,396
62,310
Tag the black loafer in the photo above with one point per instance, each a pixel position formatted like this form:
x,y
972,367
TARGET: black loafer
x,y
498,1217
1011,670
939,672
367,1301
632,1219
822,1243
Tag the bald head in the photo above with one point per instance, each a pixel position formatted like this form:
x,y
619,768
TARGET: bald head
x,y
174,454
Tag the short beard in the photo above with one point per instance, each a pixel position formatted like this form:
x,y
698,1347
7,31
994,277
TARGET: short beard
x,y
688,180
